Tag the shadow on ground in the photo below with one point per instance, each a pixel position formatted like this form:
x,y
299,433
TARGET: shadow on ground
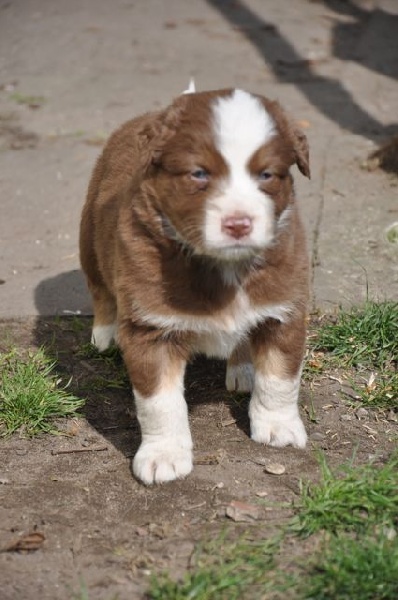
x,y
328,95
65,294
102,381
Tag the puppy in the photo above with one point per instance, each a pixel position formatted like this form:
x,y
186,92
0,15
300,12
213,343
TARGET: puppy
x,y
191,242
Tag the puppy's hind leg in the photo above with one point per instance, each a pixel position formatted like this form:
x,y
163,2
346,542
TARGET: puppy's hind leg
x,y
240,370
105,316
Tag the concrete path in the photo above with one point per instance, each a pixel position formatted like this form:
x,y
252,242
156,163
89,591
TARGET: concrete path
x,y
70,72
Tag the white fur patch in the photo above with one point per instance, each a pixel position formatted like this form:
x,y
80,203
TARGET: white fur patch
x,y
219,333
239,378
103,335
165,452
242,126
273,411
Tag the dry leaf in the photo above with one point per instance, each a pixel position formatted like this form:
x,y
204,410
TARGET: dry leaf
x,y
242,512
371,382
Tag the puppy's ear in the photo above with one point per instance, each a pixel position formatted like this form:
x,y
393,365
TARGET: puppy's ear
x,y
291,133
158,130
302,152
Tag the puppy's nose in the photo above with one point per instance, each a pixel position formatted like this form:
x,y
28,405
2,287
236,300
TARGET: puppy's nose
x,y
237,226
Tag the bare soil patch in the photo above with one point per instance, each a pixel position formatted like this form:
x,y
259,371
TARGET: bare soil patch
x,y
105,529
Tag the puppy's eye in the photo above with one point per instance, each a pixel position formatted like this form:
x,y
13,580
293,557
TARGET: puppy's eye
x,y
264,175
200,175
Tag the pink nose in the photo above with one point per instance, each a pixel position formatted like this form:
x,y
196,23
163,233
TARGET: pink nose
x,y
237,226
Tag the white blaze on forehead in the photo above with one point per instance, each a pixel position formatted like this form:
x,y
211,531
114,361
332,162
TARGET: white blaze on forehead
x,y
242,126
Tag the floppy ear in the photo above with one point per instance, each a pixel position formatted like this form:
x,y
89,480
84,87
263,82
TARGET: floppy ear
x,y
291,133
301,149
158,129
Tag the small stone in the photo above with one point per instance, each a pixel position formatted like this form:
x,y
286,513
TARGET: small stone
x,y
317,436
20,452
218,486
346,418
392,416
362,413
275,469
242,512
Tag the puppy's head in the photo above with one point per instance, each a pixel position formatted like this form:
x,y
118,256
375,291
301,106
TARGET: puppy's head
x,y
219,172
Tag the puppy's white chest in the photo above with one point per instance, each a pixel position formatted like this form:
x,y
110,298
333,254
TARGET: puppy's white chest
x,y
218,333
222,332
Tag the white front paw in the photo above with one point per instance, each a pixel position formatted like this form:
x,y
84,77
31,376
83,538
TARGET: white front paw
x,y
160,461
278,427
239,378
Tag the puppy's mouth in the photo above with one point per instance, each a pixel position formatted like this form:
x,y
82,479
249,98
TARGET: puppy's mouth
x,y
234,250
230,250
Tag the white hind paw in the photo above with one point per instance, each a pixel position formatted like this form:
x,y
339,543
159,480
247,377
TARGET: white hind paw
x,y
102,336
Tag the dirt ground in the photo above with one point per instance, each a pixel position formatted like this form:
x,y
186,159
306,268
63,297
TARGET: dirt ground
x,y
104,528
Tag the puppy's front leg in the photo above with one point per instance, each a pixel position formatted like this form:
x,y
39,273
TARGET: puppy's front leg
x,y
277,351
156,369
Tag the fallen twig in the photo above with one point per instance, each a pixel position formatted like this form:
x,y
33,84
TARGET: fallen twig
x,y
25,543
72,450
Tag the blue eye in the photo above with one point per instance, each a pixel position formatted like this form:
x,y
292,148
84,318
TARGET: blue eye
x,y
200,175
264,175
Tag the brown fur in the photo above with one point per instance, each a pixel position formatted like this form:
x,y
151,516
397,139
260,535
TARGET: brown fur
x,y
133,261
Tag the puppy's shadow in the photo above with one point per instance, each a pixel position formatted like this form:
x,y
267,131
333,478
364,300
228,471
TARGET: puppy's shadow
x,y
63,329
205,384
65,294
101,379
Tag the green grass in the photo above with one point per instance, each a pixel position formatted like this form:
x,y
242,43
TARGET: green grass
x,y
354,568
31,394
382,392
354,509
351,499
364,343
225,570
366,336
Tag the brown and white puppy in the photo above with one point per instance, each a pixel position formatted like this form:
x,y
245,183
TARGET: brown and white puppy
x,y
191,242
